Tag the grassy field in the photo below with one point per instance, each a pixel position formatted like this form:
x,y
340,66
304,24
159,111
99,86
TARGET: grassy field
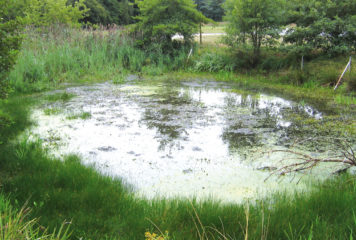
x,y
218,27
99,207
209,30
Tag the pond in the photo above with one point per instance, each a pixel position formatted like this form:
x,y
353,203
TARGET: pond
x,y
167,138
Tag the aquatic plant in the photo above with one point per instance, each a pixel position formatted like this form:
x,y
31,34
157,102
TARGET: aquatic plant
x,y
63,96
82,115
52,111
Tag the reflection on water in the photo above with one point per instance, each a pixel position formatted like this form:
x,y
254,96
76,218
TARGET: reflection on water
x,y
177,139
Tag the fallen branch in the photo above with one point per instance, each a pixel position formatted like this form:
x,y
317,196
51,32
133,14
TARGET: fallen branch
x,y
307,162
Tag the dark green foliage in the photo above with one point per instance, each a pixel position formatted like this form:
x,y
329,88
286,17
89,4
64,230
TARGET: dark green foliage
x,y
323,24
212,9
215,10
106,12
160,20
10,40
351,81
13,117
97,13
255,22
41,13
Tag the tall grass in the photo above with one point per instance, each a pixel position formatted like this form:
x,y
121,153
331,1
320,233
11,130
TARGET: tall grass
x,y
16,225
57,55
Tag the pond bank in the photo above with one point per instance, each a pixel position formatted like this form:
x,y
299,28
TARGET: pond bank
x,y
100,206
201,139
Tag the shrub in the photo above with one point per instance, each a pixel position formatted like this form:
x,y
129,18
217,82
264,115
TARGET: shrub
x,y
351,83
10,41
212,62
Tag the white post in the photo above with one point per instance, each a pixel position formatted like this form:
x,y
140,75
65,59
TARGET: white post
x,y
190,53
343,73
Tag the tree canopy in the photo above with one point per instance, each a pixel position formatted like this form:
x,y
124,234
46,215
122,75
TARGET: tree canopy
x,y
329,25
212,9
255,21
109,11
160,20
48,12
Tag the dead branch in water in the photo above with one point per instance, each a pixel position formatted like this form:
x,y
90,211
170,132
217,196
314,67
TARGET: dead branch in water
x,y
306,162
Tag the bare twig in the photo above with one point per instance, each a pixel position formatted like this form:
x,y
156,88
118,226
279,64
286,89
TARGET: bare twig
x,y
307,162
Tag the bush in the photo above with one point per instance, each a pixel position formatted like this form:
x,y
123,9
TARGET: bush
x,y
296,77
10,41
212,62
351,83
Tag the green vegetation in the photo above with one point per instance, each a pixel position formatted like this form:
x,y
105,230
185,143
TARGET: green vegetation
x,y
108,11
10,40
83,116
326,25
160,20
212,9
52,111
75,56
13,226
64,96
99,207
257,21
51,12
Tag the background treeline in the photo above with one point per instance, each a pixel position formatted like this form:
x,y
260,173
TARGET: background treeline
x,y
102,12
105,12
119,12
212,9
122,12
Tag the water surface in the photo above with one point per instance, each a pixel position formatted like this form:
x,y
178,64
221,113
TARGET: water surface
x,y
181,139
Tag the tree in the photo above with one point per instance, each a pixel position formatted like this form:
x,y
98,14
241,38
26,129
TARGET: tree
x,y
97,12
106,12
47,12
214,9
160,20
255,21
201,5
329,25
10,40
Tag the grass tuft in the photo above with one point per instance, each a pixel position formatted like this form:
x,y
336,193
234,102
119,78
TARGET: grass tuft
x,y
83,116
64,96
16,225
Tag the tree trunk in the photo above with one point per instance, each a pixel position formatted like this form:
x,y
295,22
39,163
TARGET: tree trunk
x,y
200,35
